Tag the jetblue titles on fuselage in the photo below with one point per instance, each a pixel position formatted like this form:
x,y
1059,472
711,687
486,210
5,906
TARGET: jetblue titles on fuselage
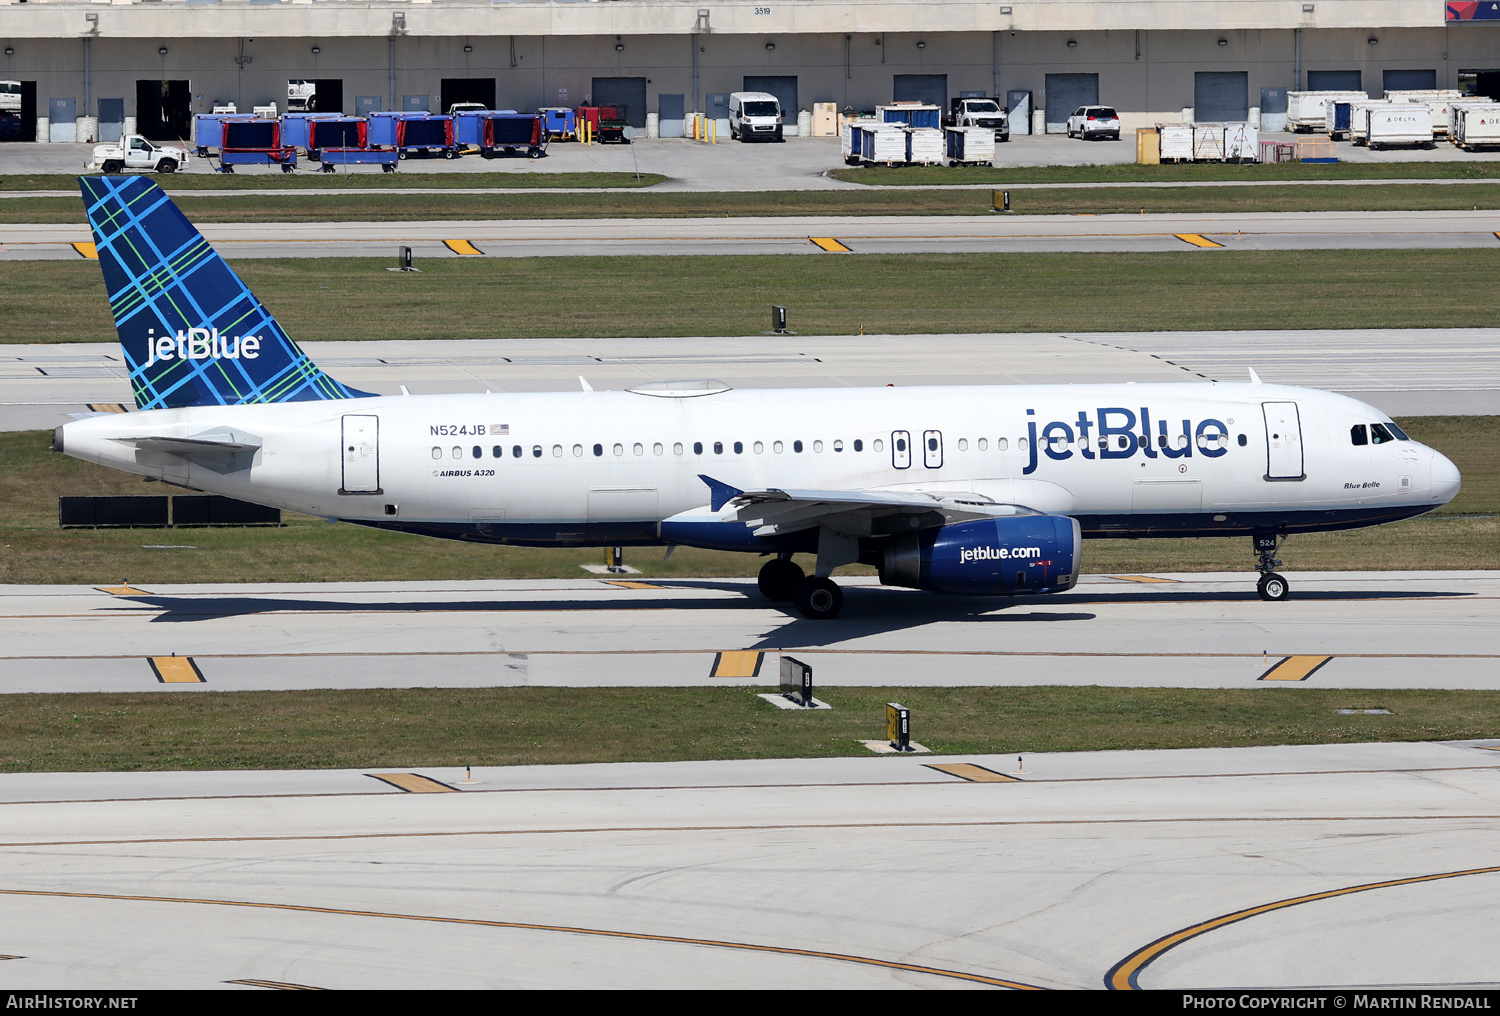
x,y
1111,434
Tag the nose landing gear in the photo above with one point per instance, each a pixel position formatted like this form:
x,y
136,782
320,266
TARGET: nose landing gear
x,y
1271,585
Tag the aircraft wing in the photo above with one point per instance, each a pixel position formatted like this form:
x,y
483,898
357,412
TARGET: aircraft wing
x,y
772,512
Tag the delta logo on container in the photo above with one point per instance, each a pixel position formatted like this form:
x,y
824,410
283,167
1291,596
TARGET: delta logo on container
x,y
200,344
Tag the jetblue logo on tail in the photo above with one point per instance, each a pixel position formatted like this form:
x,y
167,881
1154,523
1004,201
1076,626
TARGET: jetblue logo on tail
x,y
201,344
193,334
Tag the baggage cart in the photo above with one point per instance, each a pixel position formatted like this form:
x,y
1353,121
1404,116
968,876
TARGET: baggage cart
x,y
1176,142
1478,126
1337,119
345,141
924,146
969,146
1307,112
255,143
296,127
848,143
208,130
911,114
1404,123
1359,121
413,132
493,132
1435,99
882,142
1241,142
560,123
1454,105
1208,142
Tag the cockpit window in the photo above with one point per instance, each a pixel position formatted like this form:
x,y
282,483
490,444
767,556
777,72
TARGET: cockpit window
x,y
1400,434
1357,435
1379,435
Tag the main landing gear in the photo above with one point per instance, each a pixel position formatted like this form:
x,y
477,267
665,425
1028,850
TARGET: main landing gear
x,y
782,581
1271,585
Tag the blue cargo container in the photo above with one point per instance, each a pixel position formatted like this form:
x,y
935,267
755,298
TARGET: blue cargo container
x,y
255,143
208,130
912,114
1340,119
560,123
414,132
507,132
295,127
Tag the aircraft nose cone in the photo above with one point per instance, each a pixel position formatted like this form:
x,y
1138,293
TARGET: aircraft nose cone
x,y
1445,478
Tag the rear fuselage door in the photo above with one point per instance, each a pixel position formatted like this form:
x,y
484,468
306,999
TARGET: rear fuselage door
x,y
361,455
901,449
1283,441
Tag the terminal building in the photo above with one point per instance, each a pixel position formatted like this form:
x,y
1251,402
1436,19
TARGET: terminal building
x,y
155,63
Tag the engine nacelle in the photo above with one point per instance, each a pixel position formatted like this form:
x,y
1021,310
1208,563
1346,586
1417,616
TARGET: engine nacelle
x,y
1032,553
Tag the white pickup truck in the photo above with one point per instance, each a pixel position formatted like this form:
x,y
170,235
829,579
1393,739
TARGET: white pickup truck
x,y
979,113
135,152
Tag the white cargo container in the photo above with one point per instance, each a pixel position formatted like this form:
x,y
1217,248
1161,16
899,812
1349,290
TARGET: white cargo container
x,y
1308,111
1455,105
1359,120
1241,142
1208,142
1405,123
969,146
846,138
1478,126
1176,141
924,146
1435,99
881,142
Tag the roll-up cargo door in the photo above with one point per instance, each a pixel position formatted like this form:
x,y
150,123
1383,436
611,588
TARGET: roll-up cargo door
x,y
783,86
629,93
929,88
1064,94
1334,81
1397,81
1283,441
1221,96
361,455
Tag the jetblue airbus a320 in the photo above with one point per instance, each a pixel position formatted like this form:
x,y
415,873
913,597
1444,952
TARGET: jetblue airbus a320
x,y
982,490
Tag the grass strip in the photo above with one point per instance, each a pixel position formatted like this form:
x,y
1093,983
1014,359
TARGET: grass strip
x,y
421,727
397,207
1464,534
896,176
181,183
565,297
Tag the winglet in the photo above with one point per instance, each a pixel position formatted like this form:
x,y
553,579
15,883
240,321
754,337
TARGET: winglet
x,y
719,492
1254,377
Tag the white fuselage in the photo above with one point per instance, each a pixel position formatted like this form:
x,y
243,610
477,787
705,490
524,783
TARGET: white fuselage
x,y
574,468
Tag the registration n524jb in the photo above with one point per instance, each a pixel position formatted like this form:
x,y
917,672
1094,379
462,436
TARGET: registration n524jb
x,y
987,490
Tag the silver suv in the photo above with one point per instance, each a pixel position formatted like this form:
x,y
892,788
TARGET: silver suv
x,y
1094,122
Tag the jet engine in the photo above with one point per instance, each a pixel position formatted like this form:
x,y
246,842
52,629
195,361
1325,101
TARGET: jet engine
x,y
1033,553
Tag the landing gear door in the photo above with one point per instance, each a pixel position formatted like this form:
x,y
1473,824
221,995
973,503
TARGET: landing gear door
x,y
361,455
1283,441
901,449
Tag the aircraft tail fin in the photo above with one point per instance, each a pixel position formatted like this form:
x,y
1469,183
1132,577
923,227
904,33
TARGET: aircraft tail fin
x,y
192,332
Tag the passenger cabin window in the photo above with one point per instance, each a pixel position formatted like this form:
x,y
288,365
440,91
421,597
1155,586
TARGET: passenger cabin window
x,y
515,452
718,447
697,447
859,445
739,447
1357,435
797,446
578,451
777,447
598,450
478,452
536,451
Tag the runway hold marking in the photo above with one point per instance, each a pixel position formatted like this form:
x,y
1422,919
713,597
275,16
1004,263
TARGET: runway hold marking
x,y
255,982
829,244
972,773
462,247
1123,975
744,663
87,250
412,783
1294,668
176,670
475,922
106,407
122,590
1140,578
1196,239
632,584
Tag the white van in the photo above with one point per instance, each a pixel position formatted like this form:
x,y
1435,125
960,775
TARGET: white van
x,y
755,115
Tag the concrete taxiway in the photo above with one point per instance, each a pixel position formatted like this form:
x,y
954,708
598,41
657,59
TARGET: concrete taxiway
x,y
875,234
1342,630
1431,372
877,872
